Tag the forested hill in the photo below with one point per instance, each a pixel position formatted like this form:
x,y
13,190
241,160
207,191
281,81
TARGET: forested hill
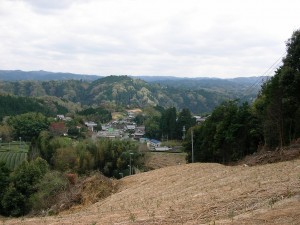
x,y
122,91
48,105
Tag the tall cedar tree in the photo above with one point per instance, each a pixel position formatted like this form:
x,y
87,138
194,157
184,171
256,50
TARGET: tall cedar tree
x,y
279,100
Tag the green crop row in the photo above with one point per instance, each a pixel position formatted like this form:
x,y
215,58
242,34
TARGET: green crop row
x,y
12,159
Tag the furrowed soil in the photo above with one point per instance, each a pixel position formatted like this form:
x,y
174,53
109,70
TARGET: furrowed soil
x,y
199,193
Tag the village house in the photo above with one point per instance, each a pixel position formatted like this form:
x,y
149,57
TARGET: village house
x,y
139,132
152,144
110,133
63,118
90,125
199,119
130,127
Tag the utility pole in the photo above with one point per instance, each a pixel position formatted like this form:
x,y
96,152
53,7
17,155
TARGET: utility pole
x,y
130,172
192,136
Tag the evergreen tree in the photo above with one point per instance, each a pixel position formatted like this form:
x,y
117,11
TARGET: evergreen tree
x,y
168,123
231,132
186,120
279,100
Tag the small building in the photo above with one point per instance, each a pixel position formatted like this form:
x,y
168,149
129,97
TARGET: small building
x,y
130,127
131,115
90,125
110,133
64,118
105,127
60,117
139,132
152,144
199,119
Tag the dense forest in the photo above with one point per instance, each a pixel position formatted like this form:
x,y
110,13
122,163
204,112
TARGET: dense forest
x,y
14,105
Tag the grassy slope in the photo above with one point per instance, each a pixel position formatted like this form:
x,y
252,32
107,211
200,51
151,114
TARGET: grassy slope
x,y
196,194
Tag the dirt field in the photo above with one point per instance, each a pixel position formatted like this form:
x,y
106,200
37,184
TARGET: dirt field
x,y
196,194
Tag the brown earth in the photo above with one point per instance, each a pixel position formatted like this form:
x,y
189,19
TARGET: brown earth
x,y
199,193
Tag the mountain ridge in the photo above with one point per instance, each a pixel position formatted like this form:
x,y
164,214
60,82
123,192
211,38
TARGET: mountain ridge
x,y
14,75
200,96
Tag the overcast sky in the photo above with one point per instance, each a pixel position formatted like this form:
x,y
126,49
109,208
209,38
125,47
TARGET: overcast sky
x,y
190,38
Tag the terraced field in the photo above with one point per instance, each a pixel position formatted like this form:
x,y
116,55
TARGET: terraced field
x,y
13,154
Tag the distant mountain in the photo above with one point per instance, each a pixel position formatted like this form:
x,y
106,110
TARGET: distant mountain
x,y
200,95
244,88
156,79
208,83
15,75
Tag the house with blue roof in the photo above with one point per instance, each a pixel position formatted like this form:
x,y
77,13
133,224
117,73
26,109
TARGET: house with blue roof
x,y
152,144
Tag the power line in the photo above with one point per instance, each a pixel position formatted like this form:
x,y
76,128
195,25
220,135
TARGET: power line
x,y
267,73
275,64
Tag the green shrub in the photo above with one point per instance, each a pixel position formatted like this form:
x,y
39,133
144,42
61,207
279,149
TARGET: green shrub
x,y
14,202
47,189
22,184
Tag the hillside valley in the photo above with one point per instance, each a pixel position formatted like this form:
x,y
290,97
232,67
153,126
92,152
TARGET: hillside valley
x,y
199,193
263,188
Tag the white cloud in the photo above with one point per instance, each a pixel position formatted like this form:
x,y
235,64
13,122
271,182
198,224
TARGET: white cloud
x,y
158,37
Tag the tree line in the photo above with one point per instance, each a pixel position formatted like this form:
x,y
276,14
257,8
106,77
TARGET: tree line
x,y
231,132
273,121
163,124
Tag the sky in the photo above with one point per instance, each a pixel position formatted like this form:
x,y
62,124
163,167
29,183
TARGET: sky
x,y
183,38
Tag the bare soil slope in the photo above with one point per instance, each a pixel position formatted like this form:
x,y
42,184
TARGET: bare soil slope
x,y
196,194
266,157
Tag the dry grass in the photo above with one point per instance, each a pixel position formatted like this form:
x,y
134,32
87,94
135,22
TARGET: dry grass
x,y
196,194
157,160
